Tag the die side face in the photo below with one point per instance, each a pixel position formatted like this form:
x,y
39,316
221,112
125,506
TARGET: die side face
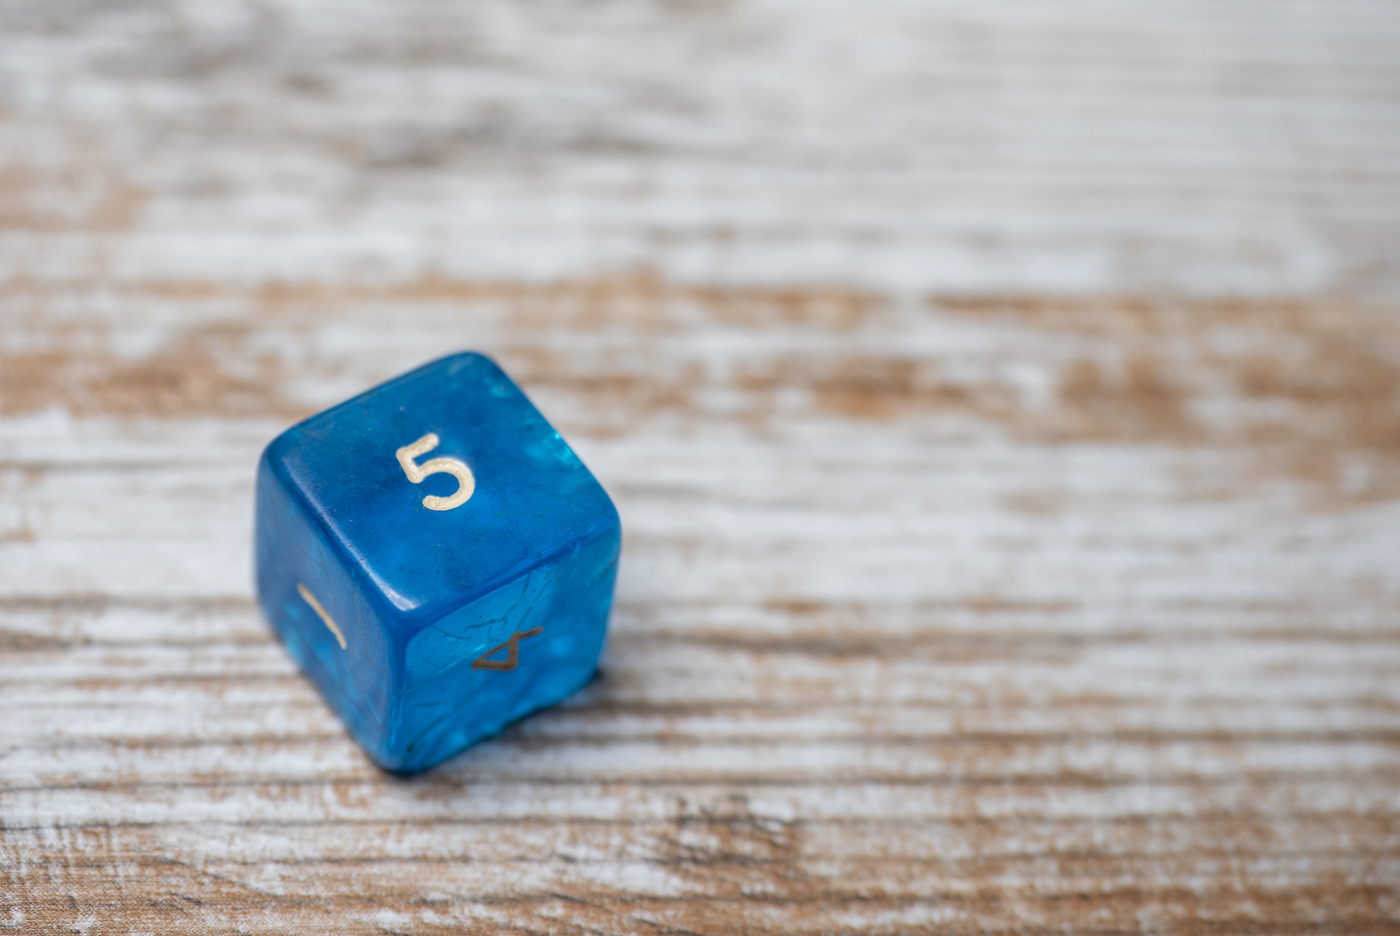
x,y
294,558
436,558
525,645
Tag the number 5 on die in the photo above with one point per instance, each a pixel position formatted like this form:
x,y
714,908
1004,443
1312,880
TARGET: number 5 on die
x,y
466,483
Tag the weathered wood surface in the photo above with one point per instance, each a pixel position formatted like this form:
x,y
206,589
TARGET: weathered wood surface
x,y
1002,402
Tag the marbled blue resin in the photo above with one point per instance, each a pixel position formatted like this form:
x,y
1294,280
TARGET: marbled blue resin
x,y
420,594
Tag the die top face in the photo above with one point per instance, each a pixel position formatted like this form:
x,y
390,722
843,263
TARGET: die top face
x,y
506,492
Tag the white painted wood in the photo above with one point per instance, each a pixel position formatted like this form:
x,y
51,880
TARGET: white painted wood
x,y
1002,403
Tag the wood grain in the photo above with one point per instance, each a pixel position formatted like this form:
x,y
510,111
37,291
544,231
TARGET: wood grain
x,y
1002,403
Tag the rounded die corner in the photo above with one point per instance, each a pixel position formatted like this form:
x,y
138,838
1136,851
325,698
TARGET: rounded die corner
x,y
467,357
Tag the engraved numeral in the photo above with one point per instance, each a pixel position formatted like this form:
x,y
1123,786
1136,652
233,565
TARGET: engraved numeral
x,y
466,483
512,648
310,599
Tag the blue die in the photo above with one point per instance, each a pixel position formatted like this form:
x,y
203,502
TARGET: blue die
x,y
436,558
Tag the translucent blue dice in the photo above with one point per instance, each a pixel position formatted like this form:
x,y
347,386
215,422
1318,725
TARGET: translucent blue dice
x,y
436,558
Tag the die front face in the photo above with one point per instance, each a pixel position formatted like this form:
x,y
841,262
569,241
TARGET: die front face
x,y
436,558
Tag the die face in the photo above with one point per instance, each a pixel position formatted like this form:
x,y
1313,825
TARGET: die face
x,y
522,647
429,629
532,496
340,642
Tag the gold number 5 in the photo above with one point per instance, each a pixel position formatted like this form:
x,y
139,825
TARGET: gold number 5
x,y
466,484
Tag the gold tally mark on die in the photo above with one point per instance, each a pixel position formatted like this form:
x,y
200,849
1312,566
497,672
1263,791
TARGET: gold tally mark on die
x,y
512,648
321,612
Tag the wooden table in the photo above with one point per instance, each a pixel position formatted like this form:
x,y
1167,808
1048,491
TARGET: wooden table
x,y
1002,403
